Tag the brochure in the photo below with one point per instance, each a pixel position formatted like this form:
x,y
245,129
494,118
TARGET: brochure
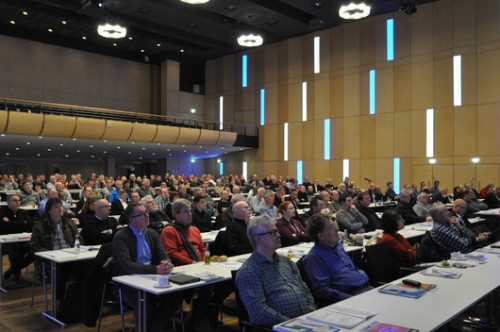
x,y
406,290
302,325
378,327
341,316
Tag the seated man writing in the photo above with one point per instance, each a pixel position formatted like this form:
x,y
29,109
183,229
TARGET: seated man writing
x,y
270,285
333,275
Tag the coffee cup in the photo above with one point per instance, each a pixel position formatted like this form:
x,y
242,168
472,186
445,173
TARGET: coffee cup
x,y
163,281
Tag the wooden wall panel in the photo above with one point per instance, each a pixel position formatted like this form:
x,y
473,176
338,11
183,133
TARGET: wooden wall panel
x,y
143,132
271,64
310,141
418,133
463,174
368,139
489,173
443,132
351,138
402,88
403,134
337,133
384,102
322,99
443,173
488,67
351,95
166,134
4,116
421,29
442,27
422,87
469,79
89,128
464,29
226,138
296,140
443,80
336,96
488,138
117,130
321,170
422,173
58,126
367,169
464,131
383,171
384,139
23,123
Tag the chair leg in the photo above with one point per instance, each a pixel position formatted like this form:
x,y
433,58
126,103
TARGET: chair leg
x,y
121,308
102,305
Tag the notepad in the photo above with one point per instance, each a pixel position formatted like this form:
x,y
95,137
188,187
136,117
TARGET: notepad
x,y
407,291
183,279
341,316
303,325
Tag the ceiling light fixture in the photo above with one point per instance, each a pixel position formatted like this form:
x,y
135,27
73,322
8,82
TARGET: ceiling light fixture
x,y
249,39
195,2
354,11
111,31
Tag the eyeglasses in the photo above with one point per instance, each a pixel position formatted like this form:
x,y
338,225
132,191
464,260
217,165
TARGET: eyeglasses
x,y
272,233
15,200
140,215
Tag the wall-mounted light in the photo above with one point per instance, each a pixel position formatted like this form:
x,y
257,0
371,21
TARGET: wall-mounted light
x,y
432,161
354,11
195,2
475,160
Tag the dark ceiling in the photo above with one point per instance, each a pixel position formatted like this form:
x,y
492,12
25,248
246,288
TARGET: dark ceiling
x,y
161,29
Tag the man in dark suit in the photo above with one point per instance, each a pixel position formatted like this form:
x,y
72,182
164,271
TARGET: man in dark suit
x,y
102,228
119,205
316,186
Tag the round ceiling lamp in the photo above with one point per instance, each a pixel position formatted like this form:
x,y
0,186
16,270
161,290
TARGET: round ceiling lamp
x,y
111,31
250,40
354,11
195,2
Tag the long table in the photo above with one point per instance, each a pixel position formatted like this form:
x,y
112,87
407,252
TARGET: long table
x,y
62,256
145,284
10,238
434,309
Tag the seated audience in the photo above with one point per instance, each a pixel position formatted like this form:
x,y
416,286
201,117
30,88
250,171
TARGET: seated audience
x,y
101,228
302,194
119,205
55,232
224,202
349,217
450,234
459,210
442,196
473,205
491,199
422,208
156,216
200,217
138,250
333,275
316,205
52,193
406,210
28,195
364,201
270,285
15,220
236,238
267,208
87,213
291,230
392,222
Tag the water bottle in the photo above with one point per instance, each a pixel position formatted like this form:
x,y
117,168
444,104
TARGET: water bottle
x,y
77,243
207,256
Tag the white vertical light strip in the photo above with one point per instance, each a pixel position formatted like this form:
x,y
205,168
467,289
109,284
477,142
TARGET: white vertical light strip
x,y
304,101
457,80
244,169
221,113
285,141
345,168
316,55
429,132
397,171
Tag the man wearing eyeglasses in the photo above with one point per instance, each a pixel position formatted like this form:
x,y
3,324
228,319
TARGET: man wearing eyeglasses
x,y
137,250
15,220
333,275
101,228
270,285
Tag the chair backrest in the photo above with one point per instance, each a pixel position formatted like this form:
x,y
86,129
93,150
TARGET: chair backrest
x,y
428,251
242,311
100,270
382,265
219,245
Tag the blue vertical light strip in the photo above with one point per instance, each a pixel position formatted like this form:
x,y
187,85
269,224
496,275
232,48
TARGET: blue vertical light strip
x,y
390,39
299,171
221,168
244,71
327,139
372,91
262,107
397,174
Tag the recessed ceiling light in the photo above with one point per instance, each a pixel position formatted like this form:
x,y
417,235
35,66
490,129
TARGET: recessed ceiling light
x,y
105,151
77,150
114,44
105,141
195,2
168,150
144,148
60,144
130,38
84,37
74,139
117,147
17,149
92,156
12,22
50,30
154,154
49,150
64,22
133,142
38,155
25,13
40,137
140,158
28,143
158,44
130,153
67,156
182,51
7,154
142,51
91,145
3,135
170,155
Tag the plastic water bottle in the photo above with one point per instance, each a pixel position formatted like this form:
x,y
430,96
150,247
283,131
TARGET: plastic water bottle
x,y
207,256
77,243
